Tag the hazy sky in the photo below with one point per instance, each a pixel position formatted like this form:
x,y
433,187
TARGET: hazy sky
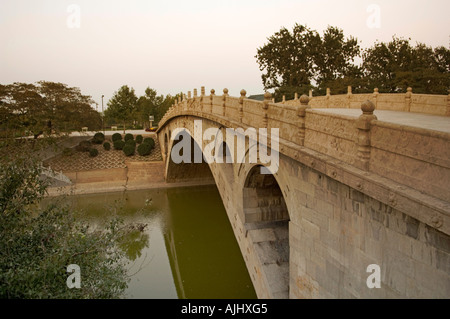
x,y
175,46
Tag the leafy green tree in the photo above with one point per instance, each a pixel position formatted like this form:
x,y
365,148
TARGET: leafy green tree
x,y
149,104
395,66
287,59
333,58
45,108
38,244
122,106
295,61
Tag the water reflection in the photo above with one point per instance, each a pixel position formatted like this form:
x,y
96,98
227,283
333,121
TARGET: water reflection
x,y
181,244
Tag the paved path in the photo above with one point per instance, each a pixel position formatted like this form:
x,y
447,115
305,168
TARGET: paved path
x,y
426,121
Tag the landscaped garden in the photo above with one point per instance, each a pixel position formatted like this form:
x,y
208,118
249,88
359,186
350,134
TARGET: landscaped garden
x,y
103,152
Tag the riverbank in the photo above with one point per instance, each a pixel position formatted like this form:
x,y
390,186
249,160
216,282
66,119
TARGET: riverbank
x,y
134,176
110,171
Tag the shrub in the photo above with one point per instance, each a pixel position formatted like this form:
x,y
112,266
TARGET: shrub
x,y
131,142
129,149
68,151
107,146
139,139
116,137
144,149
99,138
150,141
128,137
48,235
84,146
93,152
118,145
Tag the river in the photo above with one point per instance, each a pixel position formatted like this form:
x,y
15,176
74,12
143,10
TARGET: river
x,y
187,250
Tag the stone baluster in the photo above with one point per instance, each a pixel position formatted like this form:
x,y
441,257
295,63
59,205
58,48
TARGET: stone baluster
x,y
267,100
224,99
211,98
349,96
202,98
284,99
189,95
448,104
241,105
408,96
375,97
310,94
304,101
363,124
328,97
185,102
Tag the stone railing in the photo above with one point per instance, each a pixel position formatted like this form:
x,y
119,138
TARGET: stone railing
x,y
417,160
406,102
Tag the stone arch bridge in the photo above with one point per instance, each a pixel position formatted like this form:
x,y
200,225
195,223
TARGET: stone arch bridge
x,y
354,187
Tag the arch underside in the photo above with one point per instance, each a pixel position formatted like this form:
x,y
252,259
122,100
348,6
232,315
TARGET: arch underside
x,y
258,208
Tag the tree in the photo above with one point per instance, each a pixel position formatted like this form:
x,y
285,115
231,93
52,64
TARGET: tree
x,y
333,57
45,108
393,67
122,106
149,104
287,59
38,244
294,62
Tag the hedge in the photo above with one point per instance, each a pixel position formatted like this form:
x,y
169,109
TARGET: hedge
x,y
107,146
93,152
116,137
129,149
144,149
128,137
150,141
139,139
99,138
118,145
84,146
131,142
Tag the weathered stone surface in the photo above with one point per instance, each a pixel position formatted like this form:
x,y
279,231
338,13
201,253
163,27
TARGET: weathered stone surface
x,y
353,191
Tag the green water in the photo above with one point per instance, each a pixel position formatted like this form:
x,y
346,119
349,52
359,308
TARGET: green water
x,y
187,250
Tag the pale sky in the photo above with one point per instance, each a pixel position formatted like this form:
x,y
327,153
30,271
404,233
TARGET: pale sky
x,y
175,46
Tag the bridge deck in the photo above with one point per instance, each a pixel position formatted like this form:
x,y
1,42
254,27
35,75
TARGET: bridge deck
x,y
425,121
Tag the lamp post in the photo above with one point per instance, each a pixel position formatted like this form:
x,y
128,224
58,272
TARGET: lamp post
x,y
103,117
151,118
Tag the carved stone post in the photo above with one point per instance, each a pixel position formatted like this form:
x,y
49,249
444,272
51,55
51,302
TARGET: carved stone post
x,y
284,99
304,100
202,98
224,98
328,97
408,99
267,100
363,124
448,104
375,97
349,96
241,105
211,97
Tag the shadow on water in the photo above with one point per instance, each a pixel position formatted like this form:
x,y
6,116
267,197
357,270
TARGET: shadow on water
x,y
182,244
